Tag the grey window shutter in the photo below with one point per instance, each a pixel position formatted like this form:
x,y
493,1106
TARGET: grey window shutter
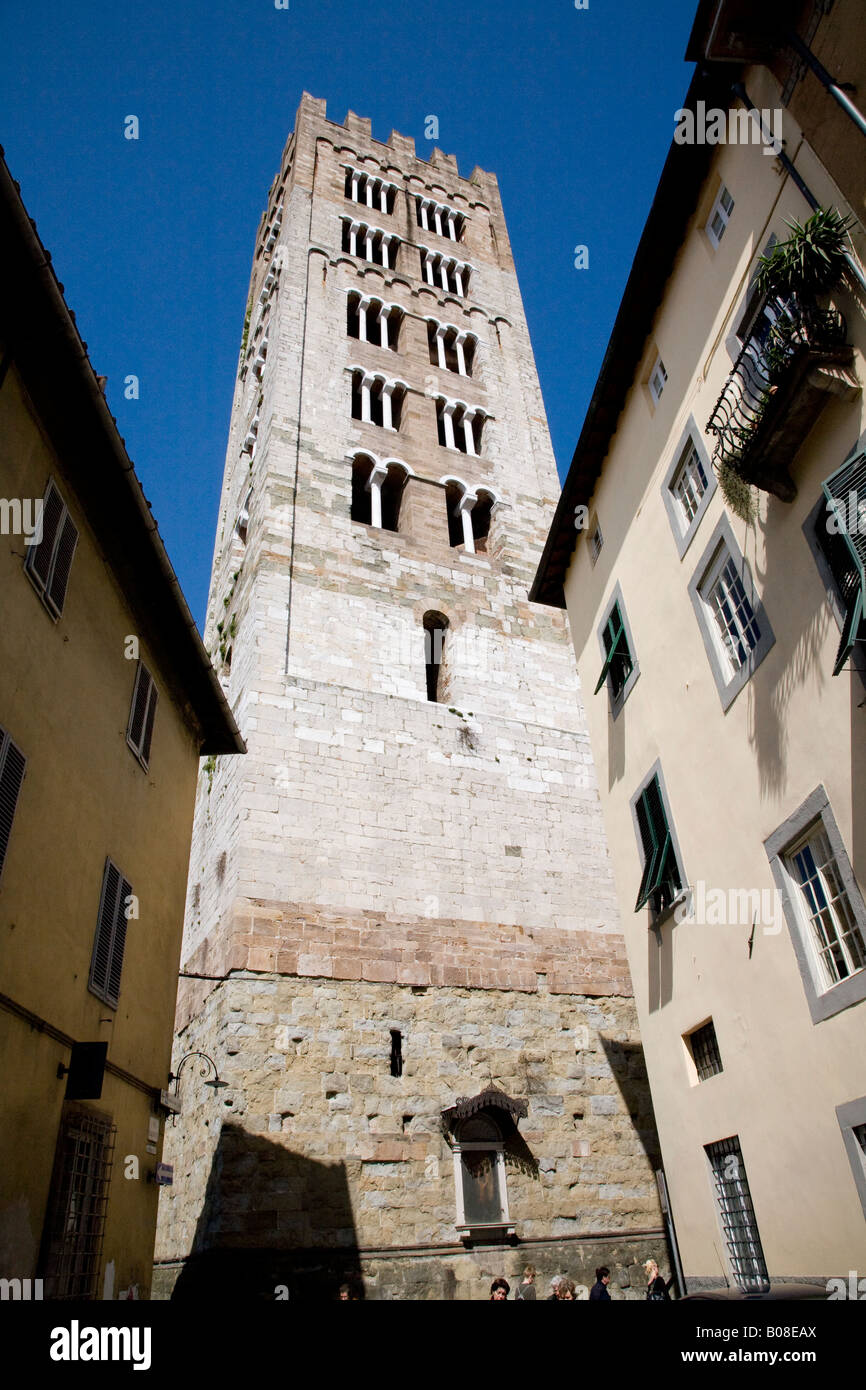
x,y
63,563
12,764
108,948
148,723
39,556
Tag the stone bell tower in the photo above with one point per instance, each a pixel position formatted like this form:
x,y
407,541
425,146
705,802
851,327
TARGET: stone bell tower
x,y
402,949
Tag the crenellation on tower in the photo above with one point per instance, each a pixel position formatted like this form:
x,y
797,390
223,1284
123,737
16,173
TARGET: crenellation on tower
x,y
414,840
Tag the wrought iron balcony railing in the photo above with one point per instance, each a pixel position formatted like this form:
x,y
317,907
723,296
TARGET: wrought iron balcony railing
x,y
765,381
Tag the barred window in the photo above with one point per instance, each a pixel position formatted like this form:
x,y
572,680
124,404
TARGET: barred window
x,y
78,1201
704,1047
737,1215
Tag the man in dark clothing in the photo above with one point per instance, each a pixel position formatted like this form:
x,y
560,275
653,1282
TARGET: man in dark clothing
x,y
598,1293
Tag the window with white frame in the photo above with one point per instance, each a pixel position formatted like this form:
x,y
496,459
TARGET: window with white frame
x,y
836,939
657,379
376,400
734,621
689,483
718,220
736,631
823,906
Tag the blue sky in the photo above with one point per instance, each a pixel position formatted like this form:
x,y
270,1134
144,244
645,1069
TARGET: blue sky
x,y
152,239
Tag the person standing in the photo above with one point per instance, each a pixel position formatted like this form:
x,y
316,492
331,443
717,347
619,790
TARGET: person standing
x,y
598,1293
526,1288
656,1288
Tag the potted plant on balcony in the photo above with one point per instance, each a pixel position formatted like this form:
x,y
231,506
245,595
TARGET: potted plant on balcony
x,y
799,327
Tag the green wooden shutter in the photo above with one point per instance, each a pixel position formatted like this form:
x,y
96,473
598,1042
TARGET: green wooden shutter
x,y
12,764
660,875
616,648
845,548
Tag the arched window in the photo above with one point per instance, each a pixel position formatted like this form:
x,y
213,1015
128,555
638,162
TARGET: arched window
x,y
451,349
377,491
435,628
469,514
460,426
376,400
371,321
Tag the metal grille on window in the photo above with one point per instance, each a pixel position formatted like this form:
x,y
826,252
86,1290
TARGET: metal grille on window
x,y
734,615
690,484
838,941
76,1223
705,1050
738,1215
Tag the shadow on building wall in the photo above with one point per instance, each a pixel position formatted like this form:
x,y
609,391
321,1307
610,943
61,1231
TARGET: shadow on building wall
x,y
271,1221
626,1061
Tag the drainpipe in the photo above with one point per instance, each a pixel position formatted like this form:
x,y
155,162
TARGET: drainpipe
x,y
739,90
662,1185
826,81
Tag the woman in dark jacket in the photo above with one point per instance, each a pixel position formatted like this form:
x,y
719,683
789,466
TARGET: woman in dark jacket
x,y
656,1288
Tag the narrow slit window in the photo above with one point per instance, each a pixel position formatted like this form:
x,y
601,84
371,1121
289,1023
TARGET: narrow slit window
x,y
396,1052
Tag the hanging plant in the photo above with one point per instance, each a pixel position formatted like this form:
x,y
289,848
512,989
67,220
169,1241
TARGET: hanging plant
x,y
738,494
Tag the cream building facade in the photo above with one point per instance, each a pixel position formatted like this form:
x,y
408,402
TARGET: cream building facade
x,y
107,700
731,759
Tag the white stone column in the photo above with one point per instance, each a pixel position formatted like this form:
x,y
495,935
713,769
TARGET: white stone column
x,y
448,423
384,315
437,217
387,405
468,417
354,228
461,356
383,197
452,226
458,276
440,346
363,306
465,505
387,239
368,244
355,198
428,268
366,383
378,474
443,272
424,223
369,192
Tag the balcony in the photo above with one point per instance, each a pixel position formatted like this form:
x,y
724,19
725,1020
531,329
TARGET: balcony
x,y
789,365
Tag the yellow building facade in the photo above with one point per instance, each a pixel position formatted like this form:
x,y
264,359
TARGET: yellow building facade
x,y
107,700
731,760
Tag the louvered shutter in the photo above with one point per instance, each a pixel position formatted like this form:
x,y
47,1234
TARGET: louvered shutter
x,y
118,944
39,556
100,965
66,544
148,723
617,648
661,873
845,549
142,712
12,764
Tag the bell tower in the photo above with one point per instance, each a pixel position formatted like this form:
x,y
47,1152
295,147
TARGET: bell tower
x,y
402,948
